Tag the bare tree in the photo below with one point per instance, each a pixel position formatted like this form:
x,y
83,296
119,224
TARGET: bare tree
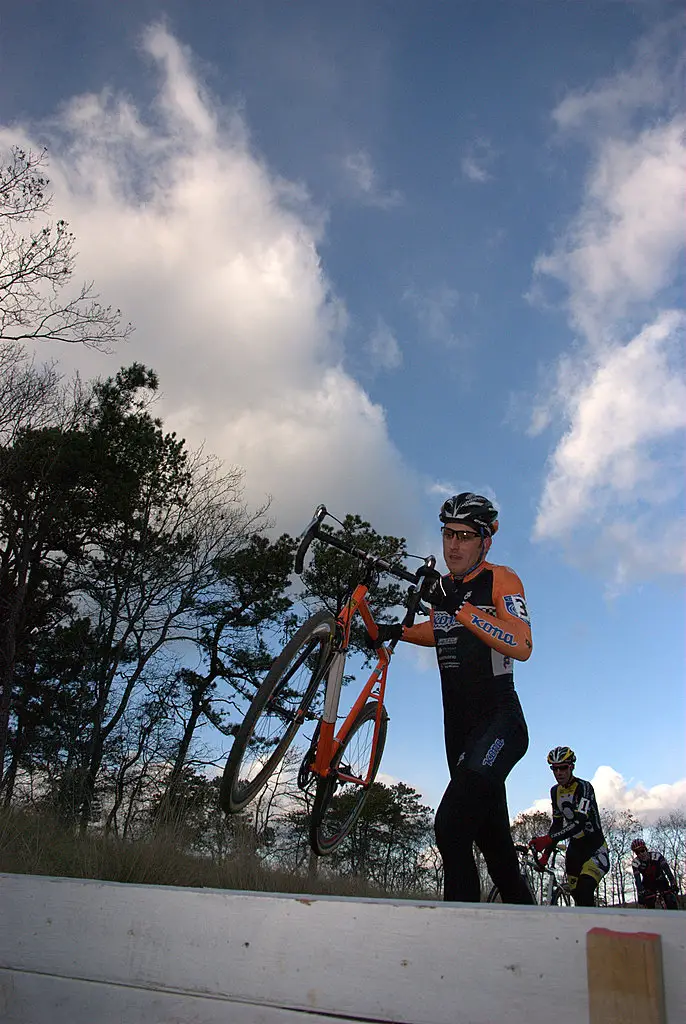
x,y
143,587
37,265
136,753
668,836
432,863
619,828
29,395
529,824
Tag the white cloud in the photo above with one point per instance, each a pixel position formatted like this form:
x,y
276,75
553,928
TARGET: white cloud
x,y
614,793
636,560
622,247
214,258
444,489
363,181
387,780
647,803
474,171
620,394
611,105
614,100
633,397
477,162
182,96
435,310
384,349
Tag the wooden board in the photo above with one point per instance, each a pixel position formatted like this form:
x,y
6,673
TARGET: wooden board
x,y
407,962
33,998
625,983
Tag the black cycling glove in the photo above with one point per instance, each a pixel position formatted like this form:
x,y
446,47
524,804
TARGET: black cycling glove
x,y
440,592
389,631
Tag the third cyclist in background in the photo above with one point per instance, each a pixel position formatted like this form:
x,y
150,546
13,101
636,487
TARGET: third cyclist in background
x,y
652,874
576,820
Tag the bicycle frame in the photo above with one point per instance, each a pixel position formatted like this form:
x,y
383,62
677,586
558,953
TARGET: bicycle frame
x,y
547,868
551,884
328,743
375,688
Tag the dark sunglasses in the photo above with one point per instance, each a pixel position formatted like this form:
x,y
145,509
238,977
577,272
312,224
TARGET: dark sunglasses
x,y
461,535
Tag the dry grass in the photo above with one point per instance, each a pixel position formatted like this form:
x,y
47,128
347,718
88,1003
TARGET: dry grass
x,y
38,844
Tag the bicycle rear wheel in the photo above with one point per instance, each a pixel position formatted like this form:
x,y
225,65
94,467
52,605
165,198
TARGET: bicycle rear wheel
x,y
337,803
277,711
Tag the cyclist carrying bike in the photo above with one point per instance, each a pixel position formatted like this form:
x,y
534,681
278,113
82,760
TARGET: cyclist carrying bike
x,y
576,819
479,625
653,875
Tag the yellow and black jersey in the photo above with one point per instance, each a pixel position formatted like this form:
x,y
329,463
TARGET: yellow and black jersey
x,y
575,813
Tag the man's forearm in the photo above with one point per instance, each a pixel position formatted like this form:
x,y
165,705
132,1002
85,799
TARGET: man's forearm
x,y
511,637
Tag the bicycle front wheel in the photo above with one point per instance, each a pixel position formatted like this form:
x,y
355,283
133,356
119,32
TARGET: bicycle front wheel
x,y
532,884
277,711
494,895
338,802
561,898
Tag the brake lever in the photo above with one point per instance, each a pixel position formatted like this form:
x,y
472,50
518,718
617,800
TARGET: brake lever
x,y
414,605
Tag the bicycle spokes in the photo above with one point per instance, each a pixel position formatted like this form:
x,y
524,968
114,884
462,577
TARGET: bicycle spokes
x,y
341,796
290,695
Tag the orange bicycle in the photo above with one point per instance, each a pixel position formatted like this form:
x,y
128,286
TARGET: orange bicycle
x,y
343,764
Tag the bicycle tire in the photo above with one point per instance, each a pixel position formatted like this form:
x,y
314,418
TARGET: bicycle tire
x,y
313,639
529,880
561,897
494,895
660,901
328,828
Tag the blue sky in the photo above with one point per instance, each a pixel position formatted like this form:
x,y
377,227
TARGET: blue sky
x,y
380,253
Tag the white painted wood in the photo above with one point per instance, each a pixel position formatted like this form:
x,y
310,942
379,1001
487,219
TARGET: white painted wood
x,y
400,961
35,998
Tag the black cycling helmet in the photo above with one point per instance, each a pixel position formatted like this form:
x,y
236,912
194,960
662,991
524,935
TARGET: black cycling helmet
x,y
470,508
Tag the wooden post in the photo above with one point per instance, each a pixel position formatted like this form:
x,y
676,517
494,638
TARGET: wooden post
x,y
625,983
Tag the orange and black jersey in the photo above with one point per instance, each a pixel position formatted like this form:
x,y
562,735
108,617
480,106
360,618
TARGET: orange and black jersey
x,y
476,647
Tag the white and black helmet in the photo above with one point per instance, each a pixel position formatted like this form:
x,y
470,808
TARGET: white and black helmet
x,y
470,508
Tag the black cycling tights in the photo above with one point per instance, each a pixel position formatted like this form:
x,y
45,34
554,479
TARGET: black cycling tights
x,y
474,810
584,891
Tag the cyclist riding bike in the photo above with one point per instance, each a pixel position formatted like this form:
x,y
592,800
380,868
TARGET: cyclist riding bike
x,y
653,875
577,820
479,625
